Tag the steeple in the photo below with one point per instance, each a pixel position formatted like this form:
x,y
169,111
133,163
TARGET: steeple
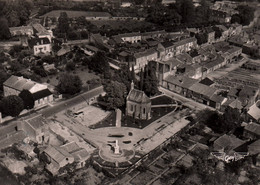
x,y
132,85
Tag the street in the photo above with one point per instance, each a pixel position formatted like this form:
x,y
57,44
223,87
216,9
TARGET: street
x,y
58,107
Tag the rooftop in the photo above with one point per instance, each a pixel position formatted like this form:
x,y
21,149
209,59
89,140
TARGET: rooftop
x,y
19,83
138,96
37,121
207,81
254,110
254,128
181,81
145,53
203,89
227,143
57,153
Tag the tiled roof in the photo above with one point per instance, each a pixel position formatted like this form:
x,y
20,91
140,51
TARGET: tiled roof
x,y
57,154
185,41
138,96
236,104
40,29
181,81
227,143
19,83
145,53
71,147
167,44
184,57
133,34
216,98
254,128
254,110
203,89
36,122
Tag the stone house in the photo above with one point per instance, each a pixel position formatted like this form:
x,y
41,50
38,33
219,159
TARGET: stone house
x,y
40,45
138,104
36,128
141,59
39,92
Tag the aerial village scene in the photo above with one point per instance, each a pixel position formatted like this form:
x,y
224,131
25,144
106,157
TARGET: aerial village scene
x,y
129,92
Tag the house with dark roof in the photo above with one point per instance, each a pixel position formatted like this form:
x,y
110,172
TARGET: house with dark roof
x,y
252,131
138,104
36,128
40,45
227,144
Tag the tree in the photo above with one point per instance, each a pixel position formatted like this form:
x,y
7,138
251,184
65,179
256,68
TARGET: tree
x,y
70,66
63,25
231,118
186,10
99,64
28,100
69,84
11,105
4,31
218,32
150,80
115,94
246,14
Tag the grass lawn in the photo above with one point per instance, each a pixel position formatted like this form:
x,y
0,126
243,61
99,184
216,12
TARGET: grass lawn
x,y
118,24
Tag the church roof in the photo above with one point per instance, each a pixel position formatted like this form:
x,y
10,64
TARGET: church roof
x,y
138,96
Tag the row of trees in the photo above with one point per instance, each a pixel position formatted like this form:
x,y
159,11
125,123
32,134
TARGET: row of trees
x,y
183,11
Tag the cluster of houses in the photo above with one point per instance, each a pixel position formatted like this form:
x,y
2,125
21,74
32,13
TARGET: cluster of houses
x,y
35,36
230,148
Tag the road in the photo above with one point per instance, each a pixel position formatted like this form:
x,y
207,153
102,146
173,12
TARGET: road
x,y
186,101
58,107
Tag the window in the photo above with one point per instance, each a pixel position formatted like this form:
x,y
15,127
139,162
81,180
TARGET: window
x,y
44,48
132,108
143,110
